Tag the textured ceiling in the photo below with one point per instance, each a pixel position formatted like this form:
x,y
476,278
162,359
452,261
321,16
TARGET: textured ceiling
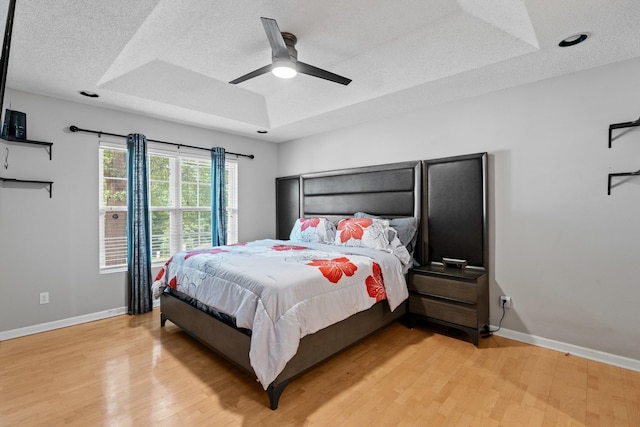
x,y
172,59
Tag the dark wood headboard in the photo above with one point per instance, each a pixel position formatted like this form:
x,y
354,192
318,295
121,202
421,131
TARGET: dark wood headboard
x,y
392,190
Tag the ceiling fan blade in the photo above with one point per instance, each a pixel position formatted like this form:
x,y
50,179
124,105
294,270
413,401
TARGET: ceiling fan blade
x,y
278,47
252,74
323,74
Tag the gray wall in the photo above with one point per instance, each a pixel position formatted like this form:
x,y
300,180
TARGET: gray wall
x,y
51,245
559,246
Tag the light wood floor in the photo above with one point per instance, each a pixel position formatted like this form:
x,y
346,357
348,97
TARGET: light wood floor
x,y
127,371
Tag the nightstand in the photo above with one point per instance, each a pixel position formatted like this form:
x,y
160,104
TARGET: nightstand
x,y
458,298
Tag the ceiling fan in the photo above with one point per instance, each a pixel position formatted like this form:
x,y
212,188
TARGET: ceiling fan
x,y
284,57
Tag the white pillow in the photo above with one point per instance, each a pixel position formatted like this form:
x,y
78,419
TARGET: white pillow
x,y
315,230
407,228
363,232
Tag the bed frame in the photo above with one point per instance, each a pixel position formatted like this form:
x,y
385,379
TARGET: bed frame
x,y
388,190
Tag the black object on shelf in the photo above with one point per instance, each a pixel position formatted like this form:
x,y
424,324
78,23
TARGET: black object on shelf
x,y
29,181
15,125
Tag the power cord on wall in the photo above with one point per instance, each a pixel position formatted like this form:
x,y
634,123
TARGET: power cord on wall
x,y
487,330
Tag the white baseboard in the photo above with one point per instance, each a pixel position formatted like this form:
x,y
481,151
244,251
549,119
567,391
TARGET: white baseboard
x,y
587,353
63,323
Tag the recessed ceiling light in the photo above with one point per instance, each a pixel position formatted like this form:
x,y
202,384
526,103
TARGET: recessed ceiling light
x,y
573,40
262,131
88,94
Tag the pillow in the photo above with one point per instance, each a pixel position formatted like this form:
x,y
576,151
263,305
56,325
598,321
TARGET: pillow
x,y
397,248
314,230
363,232
407,228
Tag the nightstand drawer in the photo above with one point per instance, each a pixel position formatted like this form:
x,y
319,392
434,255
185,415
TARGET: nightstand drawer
x,y
449,312
446,288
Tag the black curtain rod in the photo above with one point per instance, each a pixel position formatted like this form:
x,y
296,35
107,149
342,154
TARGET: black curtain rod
x,y
99,133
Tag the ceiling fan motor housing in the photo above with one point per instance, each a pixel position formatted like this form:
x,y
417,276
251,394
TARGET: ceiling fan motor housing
x,y
290,41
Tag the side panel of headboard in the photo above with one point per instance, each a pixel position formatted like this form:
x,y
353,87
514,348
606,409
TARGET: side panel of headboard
x,y
287,205
454,224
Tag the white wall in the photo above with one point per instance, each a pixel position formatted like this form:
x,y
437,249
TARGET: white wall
x,y
559,246
51,245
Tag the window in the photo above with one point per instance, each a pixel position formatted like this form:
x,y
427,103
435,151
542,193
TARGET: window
x,y
113,208
179,198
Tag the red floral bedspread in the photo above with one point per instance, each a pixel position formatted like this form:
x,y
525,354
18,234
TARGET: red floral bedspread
x,y
284,291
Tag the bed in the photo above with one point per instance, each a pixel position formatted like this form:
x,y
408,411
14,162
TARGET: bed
x,y
386,191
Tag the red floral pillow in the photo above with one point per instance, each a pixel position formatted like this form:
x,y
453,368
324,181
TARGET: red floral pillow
x,y
363,232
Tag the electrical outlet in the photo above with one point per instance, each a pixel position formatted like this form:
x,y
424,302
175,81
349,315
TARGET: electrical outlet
x,y
44,298
505,301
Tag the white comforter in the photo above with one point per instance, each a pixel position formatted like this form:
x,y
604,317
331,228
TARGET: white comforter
x,y
284,291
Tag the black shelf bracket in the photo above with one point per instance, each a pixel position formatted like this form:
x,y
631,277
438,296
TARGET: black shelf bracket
x,y
47,145
621,126
29,181
614,175
620,174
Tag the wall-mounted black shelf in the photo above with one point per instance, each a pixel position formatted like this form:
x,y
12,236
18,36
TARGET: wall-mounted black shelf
x,y
621,126
30,181
619,174
48,145
613,126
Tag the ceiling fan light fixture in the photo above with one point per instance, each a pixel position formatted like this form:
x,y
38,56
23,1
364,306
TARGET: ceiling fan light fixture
x,y
284,69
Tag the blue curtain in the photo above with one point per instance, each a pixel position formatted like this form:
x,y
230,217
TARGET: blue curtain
x,y
138,226
218,198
